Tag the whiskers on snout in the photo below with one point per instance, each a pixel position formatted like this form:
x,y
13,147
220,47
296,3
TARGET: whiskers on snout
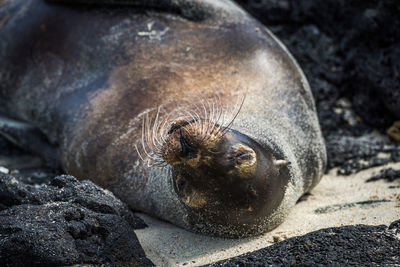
x,y
178,135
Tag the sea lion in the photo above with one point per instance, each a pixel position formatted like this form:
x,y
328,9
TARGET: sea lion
x,y
195,114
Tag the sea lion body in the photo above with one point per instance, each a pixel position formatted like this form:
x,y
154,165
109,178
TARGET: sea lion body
x,y
88,77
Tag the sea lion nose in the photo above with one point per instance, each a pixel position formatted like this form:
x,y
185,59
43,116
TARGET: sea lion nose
x,y
242,159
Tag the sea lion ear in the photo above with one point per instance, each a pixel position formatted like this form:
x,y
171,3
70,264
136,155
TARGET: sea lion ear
x,y
280,163
245,160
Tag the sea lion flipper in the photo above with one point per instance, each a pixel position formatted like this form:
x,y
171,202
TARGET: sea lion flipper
x,y
30,139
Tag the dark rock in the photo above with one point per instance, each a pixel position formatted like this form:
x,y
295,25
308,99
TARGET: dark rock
x,y
353,154
357,245
65,189
36,175
388,174
396,226
66,222
345,206
394,131
8,149
25,166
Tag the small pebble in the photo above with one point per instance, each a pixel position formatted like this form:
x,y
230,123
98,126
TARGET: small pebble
x,y
4,170
276,238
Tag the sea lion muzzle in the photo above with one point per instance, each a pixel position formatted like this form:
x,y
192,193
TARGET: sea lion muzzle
x,y
223,177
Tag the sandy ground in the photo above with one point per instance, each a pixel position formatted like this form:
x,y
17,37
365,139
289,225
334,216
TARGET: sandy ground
x,y
334,202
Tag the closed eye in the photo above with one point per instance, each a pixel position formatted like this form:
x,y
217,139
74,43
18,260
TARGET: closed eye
x,y
185,147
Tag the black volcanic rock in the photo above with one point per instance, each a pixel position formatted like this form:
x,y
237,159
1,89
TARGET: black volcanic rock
x,y
350,53
66,222
353,154
357,245
388,174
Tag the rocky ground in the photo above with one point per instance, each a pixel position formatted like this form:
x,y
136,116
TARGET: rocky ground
x,y
358,245
350,53
65,222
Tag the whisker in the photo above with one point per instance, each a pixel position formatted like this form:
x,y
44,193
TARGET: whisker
x,y
220,110
137,150
155,126
164,129
205,117
237,113
143,139
209,118
198,111
216,116
148,132
194,117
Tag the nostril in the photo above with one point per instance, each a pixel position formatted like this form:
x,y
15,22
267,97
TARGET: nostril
x,y
243,156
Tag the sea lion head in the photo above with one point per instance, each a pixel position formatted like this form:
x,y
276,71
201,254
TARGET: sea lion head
x,y
222,176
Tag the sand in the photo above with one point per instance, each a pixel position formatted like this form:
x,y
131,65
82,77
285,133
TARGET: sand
x,y
336,201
